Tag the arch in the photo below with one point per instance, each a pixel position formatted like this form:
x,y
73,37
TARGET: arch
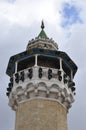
x,y
65,91
42,86
29,87
20,92
19,88
71,97
55,88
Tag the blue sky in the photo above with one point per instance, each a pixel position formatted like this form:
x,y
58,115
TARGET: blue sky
x,y
20,22
71,15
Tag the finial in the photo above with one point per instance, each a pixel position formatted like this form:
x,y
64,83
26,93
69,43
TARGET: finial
x,y
42,25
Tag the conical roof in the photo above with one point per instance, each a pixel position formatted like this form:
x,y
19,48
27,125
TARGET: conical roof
x,y
42,34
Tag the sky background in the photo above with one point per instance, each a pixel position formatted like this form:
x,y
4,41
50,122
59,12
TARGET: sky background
x,y
65,22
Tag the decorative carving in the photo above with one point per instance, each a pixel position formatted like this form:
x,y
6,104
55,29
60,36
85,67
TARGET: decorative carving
x,y
44,88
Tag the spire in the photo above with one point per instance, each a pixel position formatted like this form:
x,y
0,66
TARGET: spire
x,y
42,33
42,25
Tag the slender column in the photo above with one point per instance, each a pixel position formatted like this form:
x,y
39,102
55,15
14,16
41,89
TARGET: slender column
x,y
61,69
71,75
36,56
60,64
16,67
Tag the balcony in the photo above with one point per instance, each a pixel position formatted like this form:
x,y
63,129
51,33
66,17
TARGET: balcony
x,y
38,74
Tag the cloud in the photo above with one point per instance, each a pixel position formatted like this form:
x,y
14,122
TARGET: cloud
x,y
8,1
25,12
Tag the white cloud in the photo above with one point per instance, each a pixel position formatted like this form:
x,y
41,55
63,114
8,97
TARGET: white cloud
x,y
24,12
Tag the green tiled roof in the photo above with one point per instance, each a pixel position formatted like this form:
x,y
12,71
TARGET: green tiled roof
x,y
42,34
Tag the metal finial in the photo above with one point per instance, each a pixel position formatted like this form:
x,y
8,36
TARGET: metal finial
x,y
42,25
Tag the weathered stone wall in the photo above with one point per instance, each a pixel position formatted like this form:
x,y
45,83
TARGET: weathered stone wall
x,y
41,114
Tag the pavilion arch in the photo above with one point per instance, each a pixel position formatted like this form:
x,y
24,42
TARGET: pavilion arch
x,y
55,88
42,86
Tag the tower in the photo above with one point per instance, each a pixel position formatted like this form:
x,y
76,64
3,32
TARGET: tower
x,y
41,88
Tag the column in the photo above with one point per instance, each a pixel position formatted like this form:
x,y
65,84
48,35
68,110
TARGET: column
x,y
36,56
16,63
60,64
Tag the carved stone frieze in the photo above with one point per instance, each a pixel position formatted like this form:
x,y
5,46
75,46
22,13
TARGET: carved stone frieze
x,y
41,90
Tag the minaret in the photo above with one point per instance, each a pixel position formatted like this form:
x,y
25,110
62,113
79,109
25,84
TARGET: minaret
x,y
41,88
